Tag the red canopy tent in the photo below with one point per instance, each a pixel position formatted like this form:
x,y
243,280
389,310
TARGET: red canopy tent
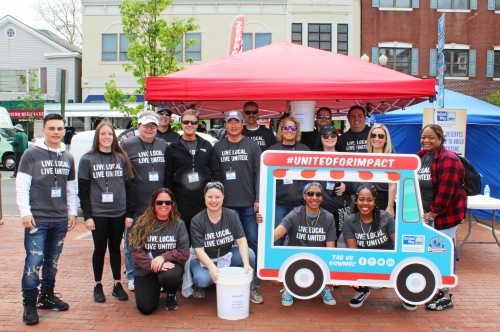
x,y
281,72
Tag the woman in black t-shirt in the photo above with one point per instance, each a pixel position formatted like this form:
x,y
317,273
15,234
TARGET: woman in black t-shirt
x,y
213,232
161,248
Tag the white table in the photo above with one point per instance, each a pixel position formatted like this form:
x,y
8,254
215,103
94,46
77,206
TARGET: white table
x,y
479,202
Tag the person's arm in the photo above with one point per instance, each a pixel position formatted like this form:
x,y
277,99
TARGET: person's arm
x,y
211,267
84,195
16,140
331,244
169,169
279,232
131,198
351,243
448,182
72,202
392,196
256,166
142,259
23,187
215,171
243,248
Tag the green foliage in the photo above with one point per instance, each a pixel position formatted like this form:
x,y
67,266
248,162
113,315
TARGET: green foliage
x,y
33,99
153,47
495,98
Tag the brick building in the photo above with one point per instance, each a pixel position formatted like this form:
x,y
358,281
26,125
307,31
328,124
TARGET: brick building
x,y
406,32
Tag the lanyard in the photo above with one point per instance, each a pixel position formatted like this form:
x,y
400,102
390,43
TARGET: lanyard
x,y
105,176
53,165
195,151
150,152
231,154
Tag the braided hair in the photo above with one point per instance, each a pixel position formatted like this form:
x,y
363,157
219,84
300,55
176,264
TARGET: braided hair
x,y
376,209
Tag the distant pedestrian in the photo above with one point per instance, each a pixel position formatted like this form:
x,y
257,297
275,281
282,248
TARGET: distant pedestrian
x,y
19,145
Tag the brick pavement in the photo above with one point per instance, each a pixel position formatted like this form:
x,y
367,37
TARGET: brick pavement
x,y
477,300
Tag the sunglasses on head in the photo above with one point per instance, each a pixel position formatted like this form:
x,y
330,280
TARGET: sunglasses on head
x,y
164,113
293,128
381,136
160,203
327,136
326,117
312,193
191,122
254,112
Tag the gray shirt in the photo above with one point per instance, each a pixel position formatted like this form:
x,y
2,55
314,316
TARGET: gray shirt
x,y
99,169
45,167
242,157
145,158
306,232
368,237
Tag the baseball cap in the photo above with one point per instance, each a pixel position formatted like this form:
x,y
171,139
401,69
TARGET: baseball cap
x,y
164,108
149,119
234,115
326,129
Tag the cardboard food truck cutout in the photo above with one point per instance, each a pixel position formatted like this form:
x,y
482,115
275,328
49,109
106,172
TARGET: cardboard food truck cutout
x,y
422,258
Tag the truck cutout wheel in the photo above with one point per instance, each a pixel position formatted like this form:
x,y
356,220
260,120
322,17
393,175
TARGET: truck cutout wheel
x,y
416,283
304,279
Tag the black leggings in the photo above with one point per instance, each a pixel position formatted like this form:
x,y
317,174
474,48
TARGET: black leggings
x,y
108,233
147,288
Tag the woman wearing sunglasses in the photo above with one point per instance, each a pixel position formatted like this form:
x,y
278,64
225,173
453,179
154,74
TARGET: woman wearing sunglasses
x,y
368,228
107,200
308,226
379,141
213,232
288,191
161,247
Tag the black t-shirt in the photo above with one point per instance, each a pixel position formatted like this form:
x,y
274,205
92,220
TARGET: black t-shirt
x,y
217,239
262,135
367,237
425,182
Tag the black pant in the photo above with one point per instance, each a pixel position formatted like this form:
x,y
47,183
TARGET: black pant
x,y
147,288
108,233
17,157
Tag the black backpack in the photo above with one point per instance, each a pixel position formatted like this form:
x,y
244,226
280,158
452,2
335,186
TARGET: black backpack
x,y
472,178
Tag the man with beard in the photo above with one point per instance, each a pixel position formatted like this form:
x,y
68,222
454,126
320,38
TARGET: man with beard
x,y
354,140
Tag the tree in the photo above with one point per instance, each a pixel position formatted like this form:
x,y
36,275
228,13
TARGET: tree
x,y
153,48
33,99
64,16
494,98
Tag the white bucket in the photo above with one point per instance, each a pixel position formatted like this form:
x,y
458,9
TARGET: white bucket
x,y
303,111
233,293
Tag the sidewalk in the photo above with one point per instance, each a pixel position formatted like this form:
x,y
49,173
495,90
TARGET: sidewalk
x,y
477,299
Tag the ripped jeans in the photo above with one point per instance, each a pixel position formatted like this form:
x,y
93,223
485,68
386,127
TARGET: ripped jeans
x,y
43,246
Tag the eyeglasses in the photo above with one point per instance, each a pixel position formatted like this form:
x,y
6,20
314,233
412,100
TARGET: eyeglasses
x,y
292,128
164,113
150,126
168,203
312,193
327,136
254,112
191,122
381,136
326,117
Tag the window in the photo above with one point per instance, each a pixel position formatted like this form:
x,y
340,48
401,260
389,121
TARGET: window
x,y
496,64
456,63
395,3
497,4
398,59
342,38
247,42
320,36
262,39
109,47
123,47
452,4
297,33
17,80
194,52
10,33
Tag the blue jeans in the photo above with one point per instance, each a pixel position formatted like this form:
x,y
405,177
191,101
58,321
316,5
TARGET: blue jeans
x,y
281,212
201,275
43,245
127,252
249,223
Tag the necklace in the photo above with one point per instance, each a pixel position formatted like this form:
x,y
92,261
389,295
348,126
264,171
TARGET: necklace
x,y
314,221
362,229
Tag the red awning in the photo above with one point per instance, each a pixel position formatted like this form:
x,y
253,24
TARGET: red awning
x,y
22,114
281,72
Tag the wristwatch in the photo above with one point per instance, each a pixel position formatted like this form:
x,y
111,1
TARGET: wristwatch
x,y
429,218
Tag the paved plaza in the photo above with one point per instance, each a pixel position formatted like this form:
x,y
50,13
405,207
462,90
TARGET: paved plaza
x,y
477,298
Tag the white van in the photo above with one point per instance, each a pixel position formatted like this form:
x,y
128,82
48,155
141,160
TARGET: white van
x,y
6,137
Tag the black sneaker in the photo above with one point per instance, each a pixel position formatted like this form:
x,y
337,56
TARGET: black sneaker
x,y
172,302
119,293
409,306
360,297
441,304
49,300
30,313
436,298
98,294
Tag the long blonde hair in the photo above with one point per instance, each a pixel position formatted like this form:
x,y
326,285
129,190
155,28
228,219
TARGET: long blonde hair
x,y
279,134
145,224
388,145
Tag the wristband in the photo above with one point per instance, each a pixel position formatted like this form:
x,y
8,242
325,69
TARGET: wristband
x,y
429,218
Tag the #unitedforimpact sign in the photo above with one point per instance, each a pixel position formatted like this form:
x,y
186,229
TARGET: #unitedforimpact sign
x,y
453,121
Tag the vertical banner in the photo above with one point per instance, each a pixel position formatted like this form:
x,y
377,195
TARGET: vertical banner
x,y
453,122
236,41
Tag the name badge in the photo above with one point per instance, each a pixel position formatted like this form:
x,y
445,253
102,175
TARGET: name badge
x,y
55,192
107,197
153,176
287,181
193,177
330,185
231,175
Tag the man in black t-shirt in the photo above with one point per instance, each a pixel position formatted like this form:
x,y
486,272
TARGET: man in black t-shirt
x,y
164,131
260,134
354,140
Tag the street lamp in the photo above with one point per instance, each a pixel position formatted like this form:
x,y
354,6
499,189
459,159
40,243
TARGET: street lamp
x,y
365,58
382,60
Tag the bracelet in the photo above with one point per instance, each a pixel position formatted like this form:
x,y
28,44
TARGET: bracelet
x,y
429,218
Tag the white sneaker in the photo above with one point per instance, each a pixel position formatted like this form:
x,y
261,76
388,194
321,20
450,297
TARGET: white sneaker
x,y
131,286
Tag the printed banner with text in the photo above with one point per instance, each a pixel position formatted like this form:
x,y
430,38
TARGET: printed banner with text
x,y
453,122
